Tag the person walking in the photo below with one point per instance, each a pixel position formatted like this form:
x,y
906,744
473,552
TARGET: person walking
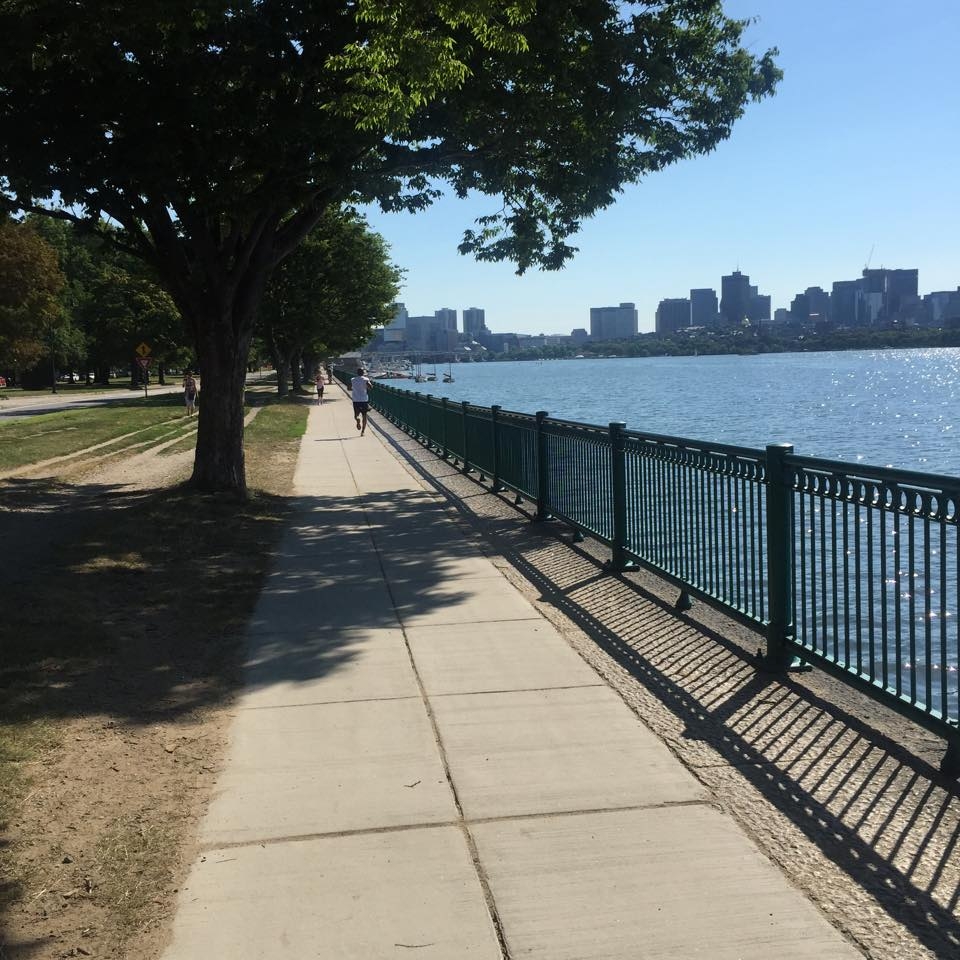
x,y
190,393
319,386
359,386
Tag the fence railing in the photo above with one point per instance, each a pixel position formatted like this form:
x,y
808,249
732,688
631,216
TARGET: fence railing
x,y
851,568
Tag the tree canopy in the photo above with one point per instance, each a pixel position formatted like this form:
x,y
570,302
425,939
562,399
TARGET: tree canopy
x,y
31,315
216,132
327,296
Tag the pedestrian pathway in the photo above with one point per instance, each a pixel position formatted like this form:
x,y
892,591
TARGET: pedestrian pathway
x,y
420,766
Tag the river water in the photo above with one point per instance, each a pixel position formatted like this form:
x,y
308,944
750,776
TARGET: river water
x,y
898,408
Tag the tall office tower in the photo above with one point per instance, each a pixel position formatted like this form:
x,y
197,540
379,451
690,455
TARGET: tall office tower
x,y
734,298
888,292
474,322
901,290
844,303
419,331
818,304
943,307
447,318
613,323
799,308
759,308
704,311
395,332
673,315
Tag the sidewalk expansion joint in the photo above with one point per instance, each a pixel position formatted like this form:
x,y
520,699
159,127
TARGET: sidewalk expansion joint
x,y
325,703
508,690
457,824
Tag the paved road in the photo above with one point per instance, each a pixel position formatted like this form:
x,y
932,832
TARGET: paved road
x,y
14,407
420,765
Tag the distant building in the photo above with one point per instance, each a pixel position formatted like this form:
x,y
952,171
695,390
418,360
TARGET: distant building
x,y
781,315
579,336
447,318
704,309
735,295
942,308
474,321
613,323
845,303
758,309
887,295
818,304
673,315
395,332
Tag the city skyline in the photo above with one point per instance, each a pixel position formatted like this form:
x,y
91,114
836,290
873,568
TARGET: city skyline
x,y
850,163
704,307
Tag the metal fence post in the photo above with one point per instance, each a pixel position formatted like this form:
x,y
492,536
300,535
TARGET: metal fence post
x,y
779,523
543,470
444,452
466,442
618,476
495,485
417,401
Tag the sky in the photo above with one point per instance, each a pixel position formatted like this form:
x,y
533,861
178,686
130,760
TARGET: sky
x,y
855,159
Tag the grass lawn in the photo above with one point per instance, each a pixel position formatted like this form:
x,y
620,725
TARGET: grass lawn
x,y
41,437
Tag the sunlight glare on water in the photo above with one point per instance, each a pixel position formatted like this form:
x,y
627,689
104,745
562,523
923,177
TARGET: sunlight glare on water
x,y
880,407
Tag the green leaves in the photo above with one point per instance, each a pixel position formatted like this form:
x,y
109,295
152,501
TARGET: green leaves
x,y
331,292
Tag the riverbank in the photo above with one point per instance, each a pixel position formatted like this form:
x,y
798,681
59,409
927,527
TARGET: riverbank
x,y
746,342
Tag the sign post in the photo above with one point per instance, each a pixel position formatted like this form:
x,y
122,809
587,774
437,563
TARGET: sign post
x,y
143,358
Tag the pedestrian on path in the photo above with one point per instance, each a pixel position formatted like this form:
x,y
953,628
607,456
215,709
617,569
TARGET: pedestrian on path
x,y
190,393
361,399
319,386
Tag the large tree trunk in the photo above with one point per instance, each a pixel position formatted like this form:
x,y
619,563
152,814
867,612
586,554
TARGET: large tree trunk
x,y
281,363
296,370
218,464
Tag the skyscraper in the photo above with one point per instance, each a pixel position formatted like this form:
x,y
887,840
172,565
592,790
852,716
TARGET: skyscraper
x,y
844,303
735,298
447,318
474,322
613,323
703,307
673,315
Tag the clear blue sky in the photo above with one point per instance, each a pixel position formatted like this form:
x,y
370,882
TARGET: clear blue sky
x,y
859,149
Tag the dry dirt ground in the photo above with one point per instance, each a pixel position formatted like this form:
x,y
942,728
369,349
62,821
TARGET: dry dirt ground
x,y
135,593
841,793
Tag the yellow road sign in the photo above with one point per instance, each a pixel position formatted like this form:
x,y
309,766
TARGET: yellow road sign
x,y
143,350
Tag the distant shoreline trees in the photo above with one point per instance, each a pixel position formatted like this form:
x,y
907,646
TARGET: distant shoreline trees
x,y
737,344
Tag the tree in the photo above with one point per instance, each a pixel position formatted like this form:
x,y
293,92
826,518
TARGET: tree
x,y
327,296
114,298
31,316
217,132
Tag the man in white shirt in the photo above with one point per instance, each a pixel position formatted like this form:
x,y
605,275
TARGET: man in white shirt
x,y
361,399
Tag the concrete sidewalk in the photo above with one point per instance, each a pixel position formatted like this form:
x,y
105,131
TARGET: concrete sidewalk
x,y
421,766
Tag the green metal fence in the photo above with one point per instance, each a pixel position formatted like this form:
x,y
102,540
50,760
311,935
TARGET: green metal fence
x,y
852,568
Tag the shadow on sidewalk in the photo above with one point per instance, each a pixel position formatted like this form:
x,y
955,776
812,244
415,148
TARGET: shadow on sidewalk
x,y
846,791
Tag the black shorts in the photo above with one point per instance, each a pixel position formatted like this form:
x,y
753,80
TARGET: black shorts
x,y
360,406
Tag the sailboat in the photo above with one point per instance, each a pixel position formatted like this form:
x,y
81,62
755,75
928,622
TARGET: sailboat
x,y
448,376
